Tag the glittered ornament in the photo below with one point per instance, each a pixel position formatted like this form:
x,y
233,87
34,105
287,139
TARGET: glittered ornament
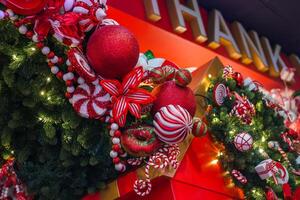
x,y
90,101
172,124
183,77
170,93
112,51
140,141
199,128
239,78
243,141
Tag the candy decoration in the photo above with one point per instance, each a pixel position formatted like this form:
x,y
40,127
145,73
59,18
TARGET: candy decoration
x,y
243,109
220,93
119,51
140,141
81,65
227,72
10,182
172,124
199,128
164,157
243,141
90,101
287,74
275,145
252,85
68,5
239,176
149,63
183,77
127,96
91,11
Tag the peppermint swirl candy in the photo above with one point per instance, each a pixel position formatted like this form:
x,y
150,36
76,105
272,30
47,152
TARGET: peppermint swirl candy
x,y
90,101
172,123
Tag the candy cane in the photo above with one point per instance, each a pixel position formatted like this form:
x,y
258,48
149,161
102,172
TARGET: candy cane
x,y
166,155
239,176
287,140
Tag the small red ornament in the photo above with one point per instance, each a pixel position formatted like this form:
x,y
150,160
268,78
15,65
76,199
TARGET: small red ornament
x,y
28,7
199,128
90,101
112,51
183,77
243,141
239,78
172,124
170,93
220,93
140,141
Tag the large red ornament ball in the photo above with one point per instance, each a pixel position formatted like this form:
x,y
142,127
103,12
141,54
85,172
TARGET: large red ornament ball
x,y
170,93
112,51
243,141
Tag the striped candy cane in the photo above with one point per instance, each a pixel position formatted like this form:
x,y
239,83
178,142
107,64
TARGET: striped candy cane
x,y
239,176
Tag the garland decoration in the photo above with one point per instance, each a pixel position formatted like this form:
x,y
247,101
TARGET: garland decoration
x,y
110,90
258,147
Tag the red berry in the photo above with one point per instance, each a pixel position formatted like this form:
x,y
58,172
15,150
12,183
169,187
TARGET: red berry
x,y
69,83
117,133
17,24
111,120
68,95
29,34
116,160
59,75
60,61
51,55
116,147
70,68
39,45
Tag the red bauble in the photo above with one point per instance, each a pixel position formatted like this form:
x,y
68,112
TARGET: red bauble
x,y
239,78
28,7
170,93
112,51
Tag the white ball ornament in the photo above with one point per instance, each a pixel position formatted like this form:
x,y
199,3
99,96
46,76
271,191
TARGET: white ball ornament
x,y
54,70
45,50
35,38
80,80
116,140
243,141
111,133
2,14
68,5
113,154
120,167
23,29
71,89
114,126
54,59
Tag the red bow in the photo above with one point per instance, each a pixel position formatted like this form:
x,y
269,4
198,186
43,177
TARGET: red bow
x,y
127,96
64,26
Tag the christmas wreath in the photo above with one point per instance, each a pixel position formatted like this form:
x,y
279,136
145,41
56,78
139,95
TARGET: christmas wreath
x,y
256,148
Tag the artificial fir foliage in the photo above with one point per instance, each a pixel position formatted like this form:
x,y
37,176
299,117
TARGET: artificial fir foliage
x,y
59,155
266,126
